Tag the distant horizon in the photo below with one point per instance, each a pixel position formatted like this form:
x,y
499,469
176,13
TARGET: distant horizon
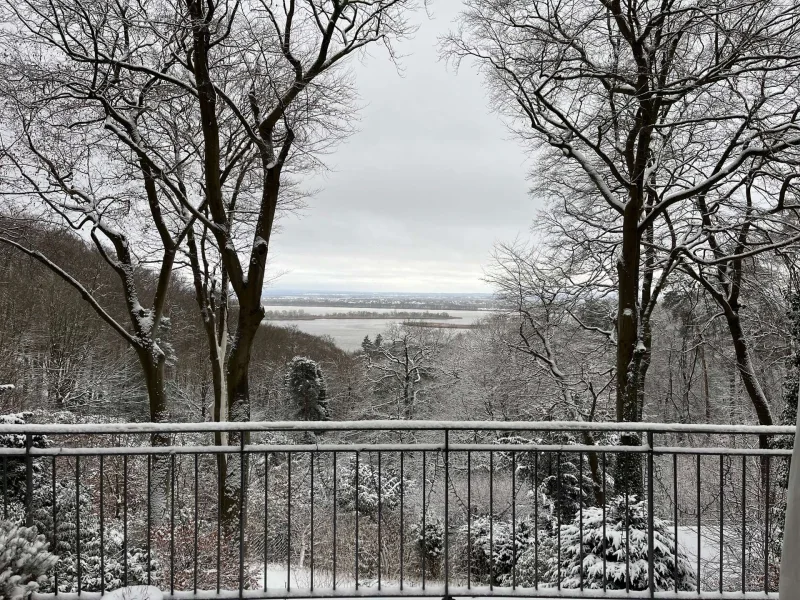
x,y
339,292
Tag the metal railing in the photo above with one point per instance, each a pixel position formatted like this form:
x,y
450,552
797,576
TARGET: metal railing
x,y
402,508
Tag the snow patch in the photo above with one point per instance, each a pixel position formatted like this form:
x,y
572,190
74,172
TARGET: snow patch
x,y
135,592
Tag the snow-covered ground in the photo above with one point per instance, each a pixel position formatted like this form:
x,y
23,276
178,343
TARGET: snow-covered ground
x,y
300,582
137,592
710,554
300,578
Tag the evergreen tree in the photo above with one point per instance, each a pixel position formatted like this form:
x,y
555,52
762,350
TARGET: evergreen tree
x,y
366,344
116,562
624,547
430,544
563,479
306,389
490,545
365,494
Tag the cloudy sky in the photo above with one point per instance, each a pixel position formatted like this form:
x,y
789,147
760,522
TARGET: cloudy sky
x,y
416,198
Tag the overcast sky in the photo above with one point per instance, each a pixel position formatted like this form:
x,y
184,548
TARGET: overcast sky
x,y
417,197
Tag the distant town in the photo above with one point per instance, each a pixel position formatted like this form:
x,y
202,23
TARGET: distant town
x,y
382,300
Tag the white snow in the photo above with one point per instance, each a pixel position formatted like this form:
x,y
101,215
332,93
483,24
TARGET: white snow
x,y
136,592
710,552
300,585
300,580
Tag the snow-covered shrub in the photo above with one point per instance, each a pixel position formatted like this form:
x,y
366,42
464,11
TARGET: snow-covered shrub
x,y
389,484
569,568
430,543
563,492
114,567
490,546
24,560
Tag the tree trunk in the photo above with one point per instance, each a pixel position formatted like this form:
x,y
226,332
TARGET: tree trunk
x,y
628,471
706,383
744,364
643,365
594,468
747,374
238,383
153,361
220,411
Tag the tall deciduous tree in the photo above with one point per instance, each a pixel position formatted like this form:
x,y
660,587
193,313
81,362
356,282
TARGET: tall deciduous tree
x,y
652,103
90,188
216,103
721,252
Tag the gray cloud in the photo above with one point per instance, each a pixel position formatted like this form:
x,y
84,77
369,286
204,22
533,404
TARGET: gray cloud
x,y
415,199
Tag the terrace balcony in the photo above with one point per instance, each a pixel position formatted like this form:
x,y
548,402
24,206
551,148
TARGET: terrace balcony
x,y
402,508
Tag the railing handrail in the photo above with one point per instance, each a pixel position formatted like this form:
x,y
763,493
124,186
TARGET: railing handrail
x,y
390,425
56,450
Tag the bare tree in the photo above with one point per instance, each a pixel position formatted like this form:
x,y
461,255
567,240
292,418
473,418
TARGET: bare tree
x,y
651,103
548,310
100,200
724,257
217,103
402,365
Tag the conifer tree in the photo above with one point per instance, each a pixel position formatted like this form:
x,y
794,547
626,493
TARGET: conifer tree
x,y
306,389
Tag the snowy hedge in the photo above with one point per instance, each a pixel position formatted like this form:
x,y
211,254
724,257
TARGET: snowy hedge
x,y
116,560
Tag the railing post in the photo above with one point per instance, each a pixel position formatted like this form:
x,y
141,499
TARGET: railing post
x,y
242,509
446,514
650,518
28,480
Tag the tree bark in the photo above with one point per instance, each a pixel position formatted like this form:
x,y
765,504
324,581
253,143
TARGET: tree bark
x,y
238,384
706,383
628,471
152,360
744,364
220,412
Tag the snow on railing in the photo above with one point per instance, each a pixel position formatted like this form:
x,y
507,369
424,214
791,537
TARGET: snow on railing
x,y
394,425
